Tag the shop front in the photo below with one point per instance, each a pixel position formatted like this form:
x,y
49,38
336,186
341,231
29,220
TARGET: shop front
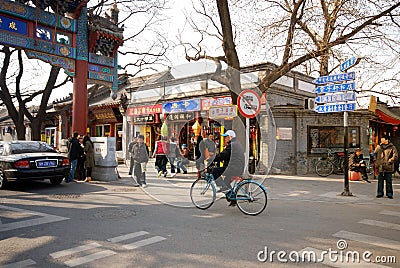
x,y
145,120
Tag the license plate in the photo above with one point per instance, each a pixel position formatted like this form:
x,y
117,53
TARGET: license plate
x,y
47,163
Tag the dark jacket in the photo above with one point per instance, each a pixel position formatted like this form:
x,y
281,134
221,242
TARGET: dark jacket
x,y
140,152
233,157
385,156
355,162
74,149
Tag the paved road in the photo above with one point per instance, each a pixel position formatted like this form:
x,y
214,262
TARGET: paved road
x,y
114,224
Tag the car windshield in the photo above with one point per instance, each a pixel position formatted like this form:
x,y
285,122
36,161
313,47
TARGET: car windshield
x,y
30,147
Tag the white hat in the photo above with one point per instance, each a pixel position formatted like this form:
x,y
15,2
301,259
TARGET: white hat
x,y
230,133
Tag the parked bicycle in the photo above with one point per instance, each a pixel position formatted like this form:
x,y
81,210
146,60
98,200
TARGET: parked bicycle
x,y
250,196
333,163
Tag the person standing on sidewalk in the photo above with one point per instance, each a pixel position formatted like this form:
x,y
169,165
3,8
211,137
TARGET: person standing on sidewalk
x,y
182,159
357,164
130,150
140,159
74,148
89,160
172,153
386,155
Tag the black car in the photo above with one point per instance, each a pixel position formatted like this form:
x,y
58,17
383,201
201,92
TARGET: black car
x,y
31,160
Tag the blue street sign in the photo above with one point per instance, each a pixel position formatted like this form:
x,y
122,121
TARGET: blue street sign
x,y
334,88
349,63
336,97
334,78
335,107
181,106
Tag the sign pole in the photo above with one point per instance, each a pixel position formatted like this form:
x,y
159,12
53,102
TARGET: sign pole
x,y
247,151
346,191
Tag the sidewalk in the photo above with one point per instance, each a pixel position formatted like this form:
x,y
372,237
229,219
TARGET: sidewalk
x,y
175,189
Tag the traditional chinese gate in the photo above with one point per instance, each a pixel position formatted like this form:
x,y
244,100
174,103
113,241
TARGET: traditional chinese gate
x,y
85,46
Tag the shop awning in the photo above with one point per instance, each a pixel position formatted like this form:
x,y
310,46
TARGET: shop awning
x,y
388,116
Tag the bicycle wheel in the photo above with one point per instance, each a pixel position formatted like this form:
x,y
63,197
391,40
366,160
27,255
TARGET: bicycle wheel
x,y
251,198
324,168
202,193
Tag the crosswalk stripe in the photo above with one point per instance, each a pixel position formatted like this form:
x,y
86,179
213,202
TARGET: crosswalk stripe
x,y
374,240
144,242
126,237
390,213
70,251
89,258
381,224
20,264
347,262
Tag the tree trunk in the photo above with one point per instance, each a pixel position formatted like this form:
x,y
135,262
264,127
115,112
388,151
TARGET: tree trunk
x,y
35,125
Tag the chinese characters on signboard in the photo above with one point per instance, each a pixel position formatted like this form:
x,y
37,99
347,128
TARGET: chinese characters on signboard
x,y
206,103
180,117
223,111
144,110
143,119
13,25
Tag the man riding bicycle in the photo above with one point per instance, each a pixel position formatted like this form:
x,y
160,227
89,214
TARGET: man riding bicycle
x,y
233,161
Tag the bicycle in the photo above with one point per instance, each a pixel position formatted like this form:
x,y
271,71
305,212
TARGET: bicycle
x,y
333,163
250,196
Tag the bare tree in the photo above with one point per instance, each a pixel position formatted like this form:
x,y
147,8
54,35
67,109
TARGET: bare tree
x,y
311,34
138,18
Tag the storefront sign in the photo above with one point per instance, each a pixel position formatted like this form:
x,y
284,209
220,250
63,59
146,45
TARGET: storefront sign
x,y
222,112
181,117
105,115
181,106
144,110
206,103
143,119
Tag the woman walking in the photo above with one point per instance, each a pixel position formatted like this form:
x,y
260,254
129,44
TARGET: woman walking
x,y
89,152
160,152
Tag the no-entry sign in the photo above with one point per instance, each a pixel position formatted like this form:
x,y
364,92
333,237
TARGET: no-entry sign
x,y
249,103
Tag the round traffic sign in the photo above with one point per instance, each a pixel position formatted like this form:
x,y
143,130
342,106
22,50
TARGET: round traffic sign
x,y
249,103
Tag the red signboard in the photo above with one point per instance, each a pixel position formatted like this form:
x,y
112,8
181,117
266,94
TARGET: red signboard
x,y
144,110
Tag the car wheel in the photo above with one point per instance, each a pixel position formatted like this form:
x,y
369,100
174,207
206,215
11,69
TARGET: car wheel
x,y
3,180
56,181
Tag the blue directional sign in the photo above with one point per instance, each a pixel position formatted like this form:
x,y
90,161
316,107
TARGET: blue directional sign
x,y
349,63
334,88
334,78
337,107
336,97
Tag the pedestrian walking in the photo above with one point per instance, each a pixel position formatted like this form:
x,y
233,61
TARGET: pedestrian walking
x,y
74,149
89,161
160,153
385,156
172,153
130,150
182,160
140,159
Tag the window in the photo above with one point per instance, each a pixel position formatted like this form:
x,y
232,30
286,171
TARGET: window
x,y
99,131
322,137
103,130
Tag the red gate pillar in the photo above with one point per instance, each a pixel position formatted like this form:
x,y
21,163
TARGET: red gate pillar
x,y
79,98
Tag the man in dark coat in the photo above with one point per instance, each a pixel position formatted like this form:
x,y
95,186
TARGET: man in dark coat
x,y
140,158
233,158
357,164
385,157
74,151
